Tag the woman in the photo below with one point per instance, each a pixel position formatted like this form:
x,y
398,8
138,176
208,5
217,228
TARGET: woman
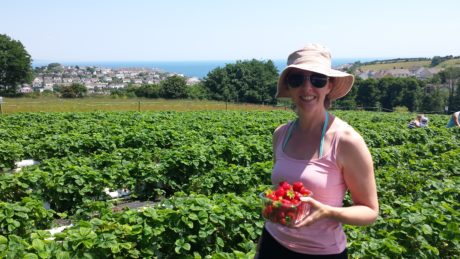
x,y
419,122
454,120
326,154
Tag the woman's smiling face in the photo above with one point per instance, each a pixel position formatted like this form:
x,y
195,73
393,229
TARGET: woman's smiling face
x,y
306,96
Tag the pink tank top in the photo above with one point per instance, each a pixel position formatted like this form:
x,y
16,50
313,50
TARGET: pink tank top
x,y
323,177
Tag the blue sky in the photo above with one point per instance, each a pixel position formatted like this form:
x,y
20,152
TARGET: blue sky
x,y
181,30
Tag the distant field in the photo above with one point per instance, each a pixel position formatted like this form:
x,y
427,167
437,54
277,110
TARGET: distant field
x,y
396,65
14,105
409,64
450,63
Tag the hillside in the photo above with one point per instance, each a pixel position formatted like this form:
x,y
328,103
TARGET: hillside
x,y
404,64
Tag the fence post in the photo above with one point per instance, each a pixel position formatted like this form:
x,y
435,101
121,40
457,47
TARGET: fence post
x,y
1,105
139,106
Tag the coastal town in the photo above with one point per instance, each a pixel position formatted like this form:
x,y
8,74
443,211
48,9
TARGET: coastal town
x,y
97,80
100,80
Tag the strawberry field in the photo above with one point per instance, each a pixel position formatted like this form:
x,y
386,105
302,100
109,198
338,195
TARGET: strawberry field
x,y
200,174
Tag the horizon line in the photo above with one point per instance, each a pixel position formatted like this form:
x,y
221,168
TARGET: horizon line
x,y
212,60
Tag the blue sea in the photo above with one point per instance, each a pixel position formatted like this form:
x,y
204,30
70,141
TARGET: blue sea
x,y
198,69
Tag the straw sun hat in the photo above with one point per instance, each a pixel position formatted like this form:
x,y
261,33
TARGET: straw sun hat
x,y
315,58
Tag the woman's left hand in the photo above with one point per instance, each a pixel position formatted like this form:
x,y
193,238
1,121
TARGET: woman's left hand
x,y
318,211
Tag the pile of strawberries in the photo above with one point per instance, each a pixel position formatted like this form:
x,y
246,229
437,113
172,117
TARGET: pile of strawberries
x,y
282,205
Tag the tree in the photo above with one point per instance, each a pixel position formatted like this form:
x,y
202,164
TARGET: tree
x,y
411,93
435,61
197,91
349,100
148,91
216,83
250,81
391,92
367,94
54,67
454,100
433,101
173,87
75,90
400,92
451,76
15,65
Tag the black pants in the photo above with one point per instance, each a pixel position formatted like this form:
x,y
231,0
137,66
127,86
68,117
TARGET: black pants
x,y
270,248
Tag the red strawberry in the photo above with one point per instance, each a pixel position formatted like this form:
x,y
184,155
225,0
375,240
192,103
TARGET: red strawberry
x,y
283,221
280,192
297,196
286,203
267,211
291,214
272,196
285,185
305,192
297,186
282,214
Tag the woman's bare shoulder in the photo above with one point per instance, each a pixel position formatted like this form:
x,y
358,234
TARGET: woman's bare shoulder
x,y
348,135
279,129
352,147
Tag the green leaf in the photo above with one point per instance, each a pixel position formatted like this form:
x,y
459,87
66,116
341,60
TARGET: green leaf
x,y
62,255
96,221
186,246
426,229
115,249
393,246
220,242
44,254
202,234
88,243
193,216
189,224
454,227
30,256
203,217
38,245
126,246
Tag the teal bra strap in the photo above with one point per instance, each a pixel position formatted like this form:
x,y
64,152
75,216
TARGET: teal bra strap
x,y
326,122
289,133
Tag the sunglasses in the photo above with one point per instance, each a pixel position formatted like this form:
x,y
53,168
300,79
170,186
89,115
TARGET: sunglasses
x,y
295,80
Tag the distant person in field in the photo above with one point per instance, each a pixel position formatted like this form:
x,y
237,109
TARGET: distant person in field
x,y
454,120
419,122
324,153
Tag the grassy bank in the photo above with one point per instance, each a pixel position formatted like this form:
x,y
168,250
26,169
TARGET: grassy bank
x,y
52,104
386,65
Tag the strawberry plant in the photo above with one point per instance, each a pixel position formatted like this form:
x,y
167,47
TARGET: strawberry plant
x,y
21,218
217,161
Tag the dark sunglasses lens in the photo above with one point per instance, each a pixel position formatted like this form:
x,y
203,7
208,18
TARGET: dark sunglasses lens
x,y
295,80
318,81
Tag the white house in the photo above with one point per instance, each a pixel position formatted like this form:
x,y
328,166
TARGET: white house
x,y
37,83
26,90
